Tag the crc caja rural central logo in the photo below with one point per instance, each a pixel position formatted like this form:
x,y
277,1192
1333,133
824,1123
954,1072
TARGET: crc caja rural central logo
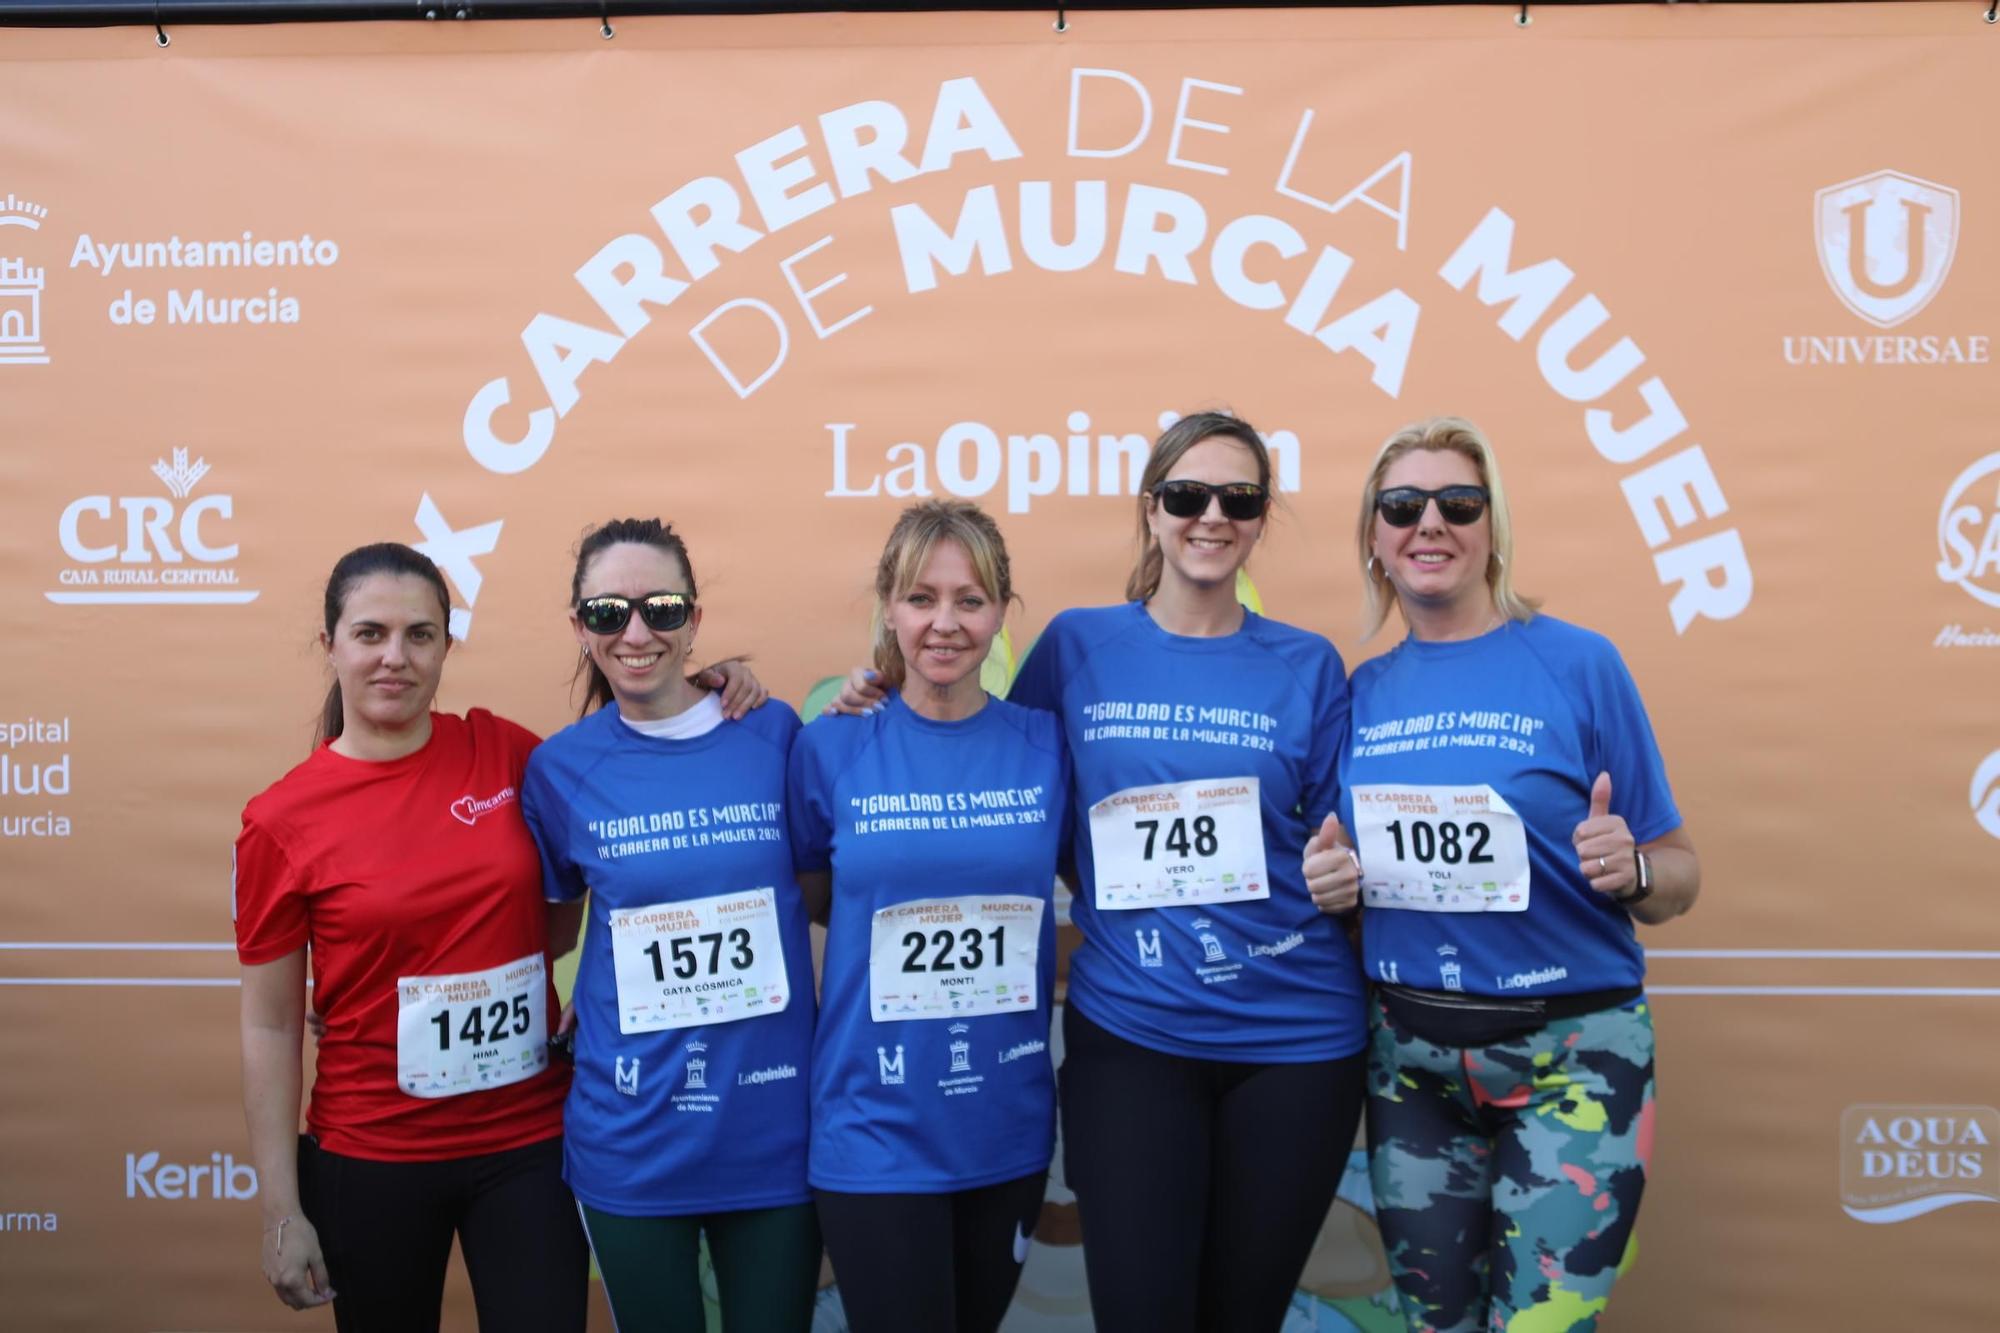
x,y
1886,242
129,549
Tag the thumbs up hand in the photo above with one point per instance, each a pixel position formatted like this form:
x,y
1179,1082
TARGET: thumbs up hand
x,y
1604,844
1332,871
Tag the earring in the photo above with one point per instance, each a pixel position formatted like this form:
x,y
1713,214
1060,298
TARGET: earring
x,y
1373,568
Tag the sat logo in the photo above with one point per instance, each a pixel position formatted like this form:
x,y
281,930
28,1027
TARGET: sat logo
x,y
1969,531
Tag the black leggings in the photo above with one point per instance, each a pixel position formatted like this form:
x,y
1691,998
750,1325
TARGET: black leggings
x,y
930,1263
386,1229
1201,1184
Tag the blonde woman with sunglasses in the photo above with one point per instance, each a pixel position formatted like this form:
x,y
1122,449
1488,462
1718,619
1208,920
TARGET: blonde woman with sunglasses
x,y
1511,822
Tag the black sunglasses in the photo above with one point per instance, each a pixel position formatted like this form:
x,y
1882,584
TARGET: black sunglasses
x,y
661,611
1241,500
1402,506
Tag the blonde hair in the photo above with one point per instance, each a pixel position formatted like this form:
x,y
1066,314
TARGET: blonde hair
x,y
917,533
1174,442
1453,435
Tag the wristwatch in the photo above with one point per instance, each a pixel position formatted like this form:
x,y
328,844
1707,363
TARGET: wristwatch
x,y
1642,888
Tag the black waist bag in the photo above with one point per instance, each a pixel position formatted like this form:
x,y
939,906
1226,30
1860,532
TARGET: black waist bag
x,y
1448,1018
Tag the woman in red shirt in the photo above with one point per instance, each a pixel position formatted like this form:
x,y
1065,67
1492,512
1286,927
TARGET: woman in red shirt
x,y
398,853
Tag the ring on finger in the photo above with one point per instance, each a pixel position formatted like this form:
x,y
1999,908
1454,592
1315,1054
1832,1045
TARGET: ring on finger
x,y
1600,865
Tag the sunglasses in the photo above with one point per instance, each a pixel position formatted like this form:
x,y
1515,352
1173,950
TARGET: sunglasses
x,y
1403,506
661,611
1241,500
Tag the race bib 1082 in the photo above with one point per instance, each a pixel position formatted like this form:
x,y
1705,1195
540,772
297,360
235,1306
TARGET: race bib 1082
x,y
1440,849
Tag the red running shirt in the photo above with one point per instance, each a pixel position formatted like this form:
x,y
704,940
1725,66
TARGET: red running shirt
x,y
420,866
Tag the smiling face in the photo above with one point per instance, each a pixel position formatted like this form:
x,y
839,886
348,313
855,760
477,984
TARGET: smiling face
x,y
1209,548
944,621
646,667
387,651
1436,564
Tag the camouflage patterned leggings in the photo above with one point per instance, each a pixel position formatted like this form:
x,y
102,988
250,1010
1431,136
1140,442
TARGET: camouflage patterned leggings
x,y
1507,1177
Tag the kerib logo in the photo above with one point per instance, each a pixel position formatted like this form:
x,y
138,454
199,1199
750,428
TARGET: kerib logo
x,y
220,1177
154,548
1900,1162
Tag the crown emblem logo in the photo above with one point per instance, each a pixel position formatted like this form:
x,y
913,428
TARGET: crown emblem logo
x,y
180,475
20,213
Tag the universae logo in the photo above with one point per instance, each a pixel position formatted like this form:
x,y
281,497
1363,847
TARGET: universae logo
x,y
1900,1162
1886,242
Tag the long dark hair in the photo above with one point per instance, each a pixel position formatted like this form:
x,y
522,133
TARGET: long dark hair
x,y
350,569
643,532
1175,441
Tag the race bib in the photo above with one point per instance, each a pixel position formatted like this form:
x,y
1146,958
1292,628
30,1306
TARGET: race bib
x,y
954,958
472,1030
1440,849
708,960
1179,844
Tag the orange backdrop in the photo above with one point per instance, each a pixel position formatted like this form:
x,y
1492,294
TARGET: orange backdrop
x,y
1708,276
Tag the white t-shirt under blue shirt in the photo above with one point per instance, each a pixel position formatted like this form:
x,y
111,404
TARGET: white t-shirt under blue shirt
x,y
694,995
1206,762
1469,749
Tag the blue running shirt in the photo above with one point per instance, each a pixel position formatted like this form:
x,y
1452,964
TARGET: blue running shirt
x,y
931,1070
694,996
1469,754
1202,765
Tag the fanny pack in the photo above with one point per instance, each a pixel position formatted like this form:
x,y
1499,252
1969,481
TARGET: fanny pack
x,y
1448,1018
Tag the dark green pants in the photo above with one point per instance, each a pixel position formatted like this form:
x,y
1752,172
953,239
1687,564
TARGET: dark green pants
x,y
766,1268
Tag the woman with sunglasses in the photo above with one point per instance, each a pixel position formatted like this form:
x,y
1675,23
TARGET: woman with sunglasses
x,y
694,996
940,820
1512,821
1213,1027
397,852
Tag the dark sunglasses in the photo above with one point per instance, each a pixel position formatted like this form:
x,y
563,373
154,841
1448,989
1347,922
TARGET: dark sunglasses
x,y
661,611
1403,506
1241,500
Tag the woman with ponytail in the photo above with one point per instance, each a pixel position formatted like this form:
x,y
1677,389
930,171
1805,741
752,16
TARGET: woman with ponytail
x,y
397,852
694,996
